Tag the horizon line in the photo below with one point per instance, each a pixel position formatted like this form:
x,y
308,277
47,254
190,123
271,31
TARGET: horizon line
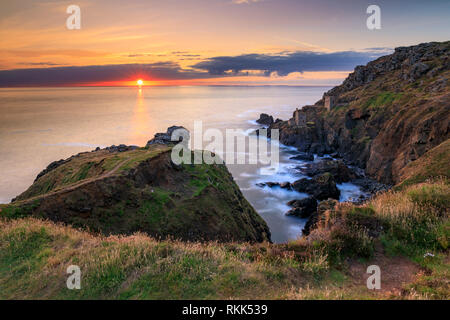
x,y
174,85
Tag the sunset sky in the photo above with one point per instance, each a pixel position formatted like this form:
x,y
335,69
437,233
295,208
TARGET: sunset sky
x,y
188,42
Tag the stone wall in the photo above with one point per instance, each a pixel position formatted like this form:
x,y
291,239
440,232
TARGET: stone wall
x,y
329,102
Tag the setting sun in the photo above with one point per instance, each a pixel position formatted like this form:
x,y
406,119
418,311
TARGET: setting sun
x,y
140,82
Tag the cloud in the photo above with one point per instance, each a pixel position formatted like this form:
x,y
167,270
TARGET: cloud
x,y
39,64
245,1
380,50
384,49
259,65
283,64
74,75
62,53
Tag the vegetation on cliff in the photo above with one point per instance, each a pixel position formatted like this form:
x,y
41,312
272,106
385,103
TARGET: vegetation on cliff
x,y
432,164
406,233
384,115
142,190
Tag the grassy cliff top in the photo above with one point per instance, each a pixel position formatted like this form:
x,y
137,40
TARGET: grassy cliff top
x,y
405,233
142,190
89,166
433,164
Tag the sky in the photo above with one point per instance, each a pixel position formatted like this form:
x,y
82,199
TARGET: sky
x,y
205,42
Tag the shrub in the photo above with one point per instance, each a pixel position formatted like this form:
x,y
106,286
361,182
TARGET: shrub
x,y
316,262
342,233
417,217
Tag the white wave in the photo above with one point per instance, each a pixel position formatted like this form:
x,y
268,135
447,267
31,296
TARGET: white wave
x,y
349,191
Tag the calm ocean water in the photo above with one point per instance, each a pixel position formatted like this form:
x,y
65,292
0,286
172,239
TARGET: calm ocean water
x,y
40,125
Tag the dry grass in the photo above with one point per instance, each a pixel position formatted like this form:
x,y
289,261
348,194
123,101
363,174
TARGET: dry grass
x,y
417,216
35,254
429,198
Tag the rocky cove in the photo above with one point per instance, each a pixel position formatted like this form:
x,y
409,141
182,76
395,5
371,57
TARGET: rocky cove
x,y
120,198
366,131
363,134
317,179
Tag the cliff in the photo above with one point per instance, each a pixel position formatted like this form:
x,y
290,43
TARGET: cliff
x,y
122,190
384,115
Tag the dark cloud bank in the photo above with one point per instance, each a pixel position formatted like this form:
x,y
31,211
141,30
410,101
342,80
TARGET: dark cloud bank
x,y
288,63
283,64
92,74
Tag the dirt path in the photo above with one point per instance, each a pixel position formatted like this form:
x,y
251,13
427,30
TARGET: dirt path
x,y
396,272
75,185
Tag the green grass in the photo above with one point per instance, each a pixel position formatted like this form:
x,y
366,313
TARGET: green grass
x,y
433,284
34,255
203,175
185,277
433,164
139,156
25,254
13,211
415,219
433,195
89,165
339,109
82,172
111,162
153,209
381,100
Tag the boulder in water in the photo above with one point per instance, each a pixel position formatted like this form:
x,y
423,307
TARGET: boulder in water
x,y
265,119
303,208
320,187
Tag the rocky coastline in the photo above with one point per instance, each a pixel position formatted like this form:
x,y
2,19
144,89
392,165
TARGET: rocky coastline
x,y
384,116
323,173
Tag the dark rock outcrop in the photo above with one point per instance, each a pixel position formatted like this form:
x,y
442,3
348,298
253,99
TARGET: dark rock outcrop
x,y
303,208
282,185
322,208
320,187
50,167
337,168
285,185
119,148
265,119
166,138
370,186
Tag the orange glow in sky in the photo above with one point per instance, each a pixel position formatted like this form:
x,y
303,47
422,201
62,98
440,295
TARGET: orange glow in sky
x,y
145,37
